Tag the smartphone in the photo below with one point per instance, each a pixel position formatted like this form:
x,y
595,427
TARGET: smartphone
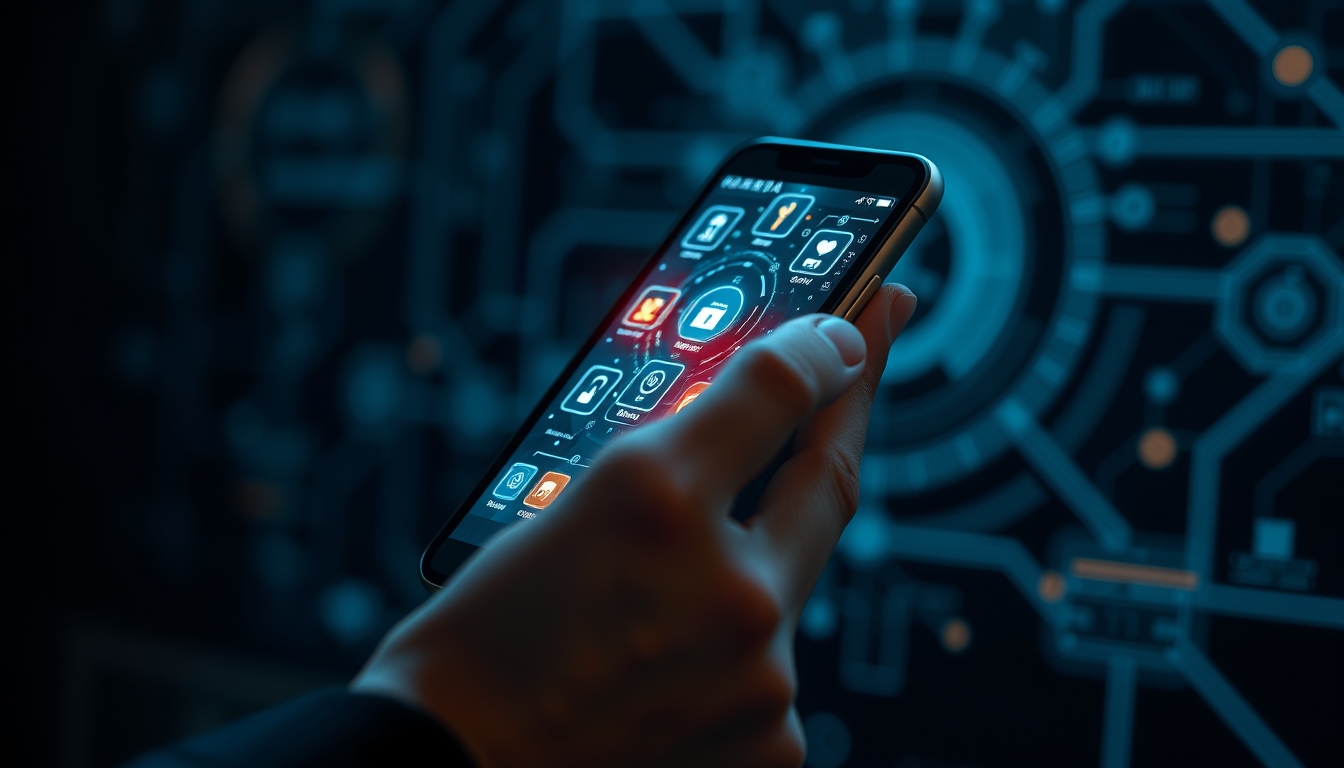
x,y
782,228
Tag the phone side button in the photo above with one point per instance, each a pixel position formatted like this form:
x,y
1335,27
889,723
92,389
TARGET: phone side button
x,y
862,301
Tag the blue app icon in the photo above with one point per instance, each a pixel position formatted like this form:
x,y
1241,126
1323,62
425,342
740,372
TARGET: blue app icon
x,y
822,252
712,313
514,481
648,386
712,227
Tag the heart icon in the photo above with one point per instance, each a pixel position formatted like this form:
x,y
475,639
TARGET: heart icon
x,y
826,246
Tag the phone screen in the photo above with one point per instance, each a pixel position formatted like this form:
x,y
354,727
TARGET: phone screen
x,y
751,254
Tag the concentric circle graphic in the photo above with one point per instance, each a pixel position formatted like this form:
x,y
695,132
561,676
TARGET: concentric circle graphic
x,y
1000,322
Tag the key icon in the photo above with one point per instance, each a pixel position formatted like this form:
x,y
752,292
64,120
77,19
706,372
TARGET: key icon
x,y
782,215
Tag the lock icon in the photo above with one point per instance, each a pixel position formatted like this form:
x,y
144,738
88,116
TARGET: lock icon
x,y
591,390
585,397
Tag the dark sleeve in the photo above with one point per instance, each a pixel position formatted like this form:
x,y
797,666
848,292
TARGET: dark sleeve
x,y
331,728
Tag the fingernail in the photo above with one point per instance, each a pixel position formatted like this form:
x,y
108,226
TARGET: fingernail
x,y
845,338
902,307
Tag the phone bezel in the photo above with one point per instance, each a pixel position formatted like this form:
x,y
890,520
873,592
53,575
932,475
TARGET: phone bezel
x,y
803,162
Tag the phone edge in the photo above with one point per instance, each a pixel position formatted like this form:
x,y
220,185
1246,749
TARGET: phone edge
x,y
924,206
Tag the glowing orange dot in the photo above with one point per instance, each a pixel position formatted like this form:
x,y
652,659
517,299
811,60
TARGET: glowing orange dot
x,y
424,354
1230,226
1293,65
956,635
1050,587
1157,448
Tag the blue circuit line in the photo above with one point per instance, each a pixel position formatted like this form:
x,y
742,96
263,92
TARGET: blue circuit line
x,y
973,550
1290,467
1328,99
1236,142
1057,468
663,28
1089,23
1156,283
1118,723
974,23
583,128
835,64
431,213
1271,605
516,87
1243,20
902,19
1223,699
1206,455
1261,37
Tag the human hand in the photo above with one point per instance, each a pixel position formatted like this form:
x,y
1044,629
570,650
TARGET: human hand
x,y
636,622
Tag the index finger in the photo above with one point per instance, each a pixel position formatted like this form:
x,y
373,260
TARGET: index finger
x,y
810,499
766,390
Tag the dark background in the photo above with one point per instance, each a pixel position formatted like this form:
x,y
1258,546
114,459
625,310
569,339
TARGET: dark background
x,y
280,278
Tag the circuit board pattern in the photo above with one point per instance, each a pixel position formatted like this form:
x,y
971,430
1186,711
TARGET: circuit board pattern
x,y
1109,446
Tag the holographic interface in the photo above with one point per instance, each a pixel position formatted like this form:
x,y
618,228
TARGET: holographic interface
x,y
758,253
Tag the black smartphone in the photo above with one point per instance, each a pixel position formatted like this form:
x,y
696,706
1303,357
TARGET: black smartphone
x,y
782,228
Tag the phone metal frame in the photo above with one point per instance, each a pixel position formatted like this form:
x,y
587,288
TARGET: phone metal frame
x,y
860,289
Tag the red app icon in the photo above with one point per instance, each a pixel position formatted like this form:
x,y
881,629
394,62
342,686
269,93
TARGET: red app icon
x,y
651,307
546,490
691,393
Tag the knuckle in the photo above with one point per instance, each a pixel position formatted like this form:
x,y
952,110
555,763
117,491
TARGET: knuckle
x,y
781,377
648,491
776,689
755,611
843,468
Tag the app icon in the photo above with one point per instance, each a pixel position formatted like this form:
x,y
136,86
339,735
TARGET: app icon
x,y
712,313
712,226
517,478
782,215
546,489
822,252
591,390
651,307
648,386
691,393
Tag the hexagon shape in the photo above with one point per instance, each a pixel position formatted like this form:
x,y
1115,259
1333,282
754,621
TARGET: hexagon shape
x,y
1280,305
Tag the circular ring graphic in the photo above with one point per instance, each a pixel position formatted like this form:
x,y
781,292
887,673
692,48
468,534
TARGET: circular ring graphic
x,y
1000,324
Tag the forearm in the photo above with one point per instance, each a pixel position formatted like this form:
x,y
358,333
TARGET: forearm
x,y
333,728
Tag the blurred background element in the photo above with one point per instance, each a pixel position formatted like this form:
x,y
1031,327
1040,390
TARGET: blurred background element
x,y
280,278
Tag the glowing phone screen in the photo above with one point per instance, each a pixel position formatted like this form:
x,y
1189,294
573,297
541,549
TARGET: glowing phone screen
x,y
756,253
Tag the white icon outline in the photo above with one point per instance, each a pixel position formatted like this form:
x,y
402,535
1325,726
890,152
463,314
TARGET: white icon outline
x,y
734,215
583,386
762,229
517,489
671,372
690,320
817,265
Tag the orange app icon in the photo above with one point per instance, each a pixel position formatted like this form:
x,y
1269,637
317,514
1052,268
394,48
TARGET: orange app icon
x,y
547,488
691,393
651,307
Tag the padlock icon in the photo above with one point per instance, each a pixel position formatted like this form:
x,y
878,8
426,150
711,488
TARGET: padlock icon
x,y
586,396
